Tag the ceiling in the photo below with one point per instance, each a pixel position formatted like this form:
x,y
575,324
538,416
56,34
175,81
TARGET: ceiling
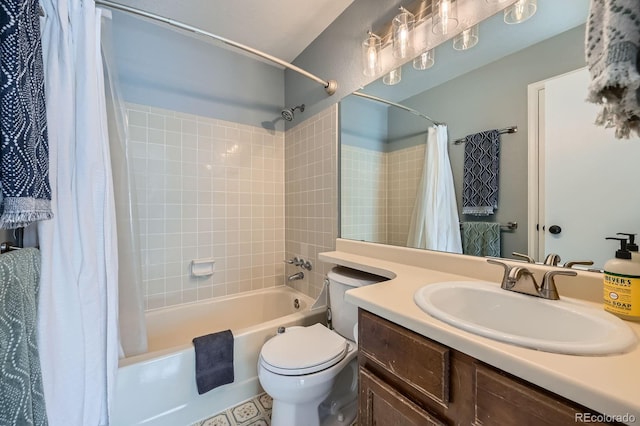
x,y
282,28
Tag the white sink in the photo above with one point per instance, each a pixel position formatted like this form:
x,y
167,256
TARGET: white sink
x,y
566,326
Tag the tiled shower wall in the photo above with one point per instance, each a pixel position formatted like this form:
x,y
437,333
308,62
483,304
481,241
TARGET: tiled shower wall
x,y
206,188
386,183
364,194
404,172
311,198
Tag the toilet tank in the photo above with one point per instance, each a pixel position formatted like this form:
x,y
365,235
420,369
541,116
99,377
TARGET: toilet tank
x,y
344,315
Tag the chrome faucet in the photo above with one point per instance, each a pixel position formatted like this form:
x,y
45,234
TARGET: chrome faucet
x,y
528,258
578,262
552,259
296,276
522,280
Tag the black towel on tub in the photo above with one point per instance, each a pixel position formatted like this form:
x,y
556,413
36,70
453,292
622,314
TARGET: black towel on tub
x,y
214,360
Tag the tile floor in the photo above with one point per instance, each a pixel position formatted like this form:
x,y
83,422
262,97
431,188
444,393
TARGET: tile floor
x,y
254,412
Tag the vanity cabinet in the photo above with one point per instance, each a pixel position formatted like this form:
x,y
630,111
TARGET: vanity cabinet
x,y
407,379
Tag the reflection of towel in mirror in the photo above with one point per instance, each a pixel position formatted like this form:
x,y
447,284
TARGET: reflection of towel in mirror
x,y
481,169
612,53
481,238
214,360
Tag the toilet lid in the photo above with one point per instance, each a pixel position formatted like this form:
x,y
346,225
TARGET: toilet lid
x,y
303,350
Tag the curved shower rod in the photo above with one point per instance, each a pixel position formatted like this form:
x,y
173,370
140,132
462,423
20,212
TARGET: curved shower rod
x,y
406,108
329,86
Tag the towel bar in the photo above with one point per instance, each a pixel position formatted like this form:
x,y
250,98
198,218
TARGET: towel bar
x,y
510,226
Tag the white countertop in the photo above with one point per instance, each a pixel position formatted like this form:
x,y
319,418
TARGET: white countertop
x,y
607,384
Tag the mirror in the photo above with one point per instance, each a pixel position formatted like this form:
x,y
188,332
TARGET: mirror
x,y
382,148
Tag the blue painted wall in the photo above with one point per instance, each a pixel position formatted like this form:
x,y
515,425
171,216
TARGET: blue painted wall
x,y
178,71
363,123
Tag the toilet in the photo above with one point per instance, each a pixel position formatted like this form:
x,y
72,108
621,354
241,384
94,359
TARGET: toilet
x,y
312,372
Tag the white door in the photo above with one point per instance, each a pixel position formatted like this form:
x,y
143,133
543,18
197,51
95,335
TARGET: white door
x,y
588,180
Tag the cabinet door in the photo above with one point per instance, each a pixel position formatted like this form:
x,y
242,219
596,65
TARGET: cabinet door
x,y
504,400
381,405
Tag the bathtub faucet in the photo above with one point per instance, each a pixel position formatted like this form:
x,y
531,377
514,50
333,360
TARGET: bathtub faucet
x,y
296,276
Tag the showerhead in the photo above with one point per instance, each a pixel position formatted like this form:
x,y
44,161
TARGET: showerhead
x,y
287,113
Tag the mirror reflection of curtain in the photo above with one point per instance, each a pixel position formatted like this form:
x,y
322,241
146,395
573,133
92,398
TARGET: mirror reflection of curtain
x,y
434,223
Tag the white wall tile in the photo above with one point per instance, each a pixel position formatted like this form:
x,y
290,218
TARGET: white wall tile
x,y
196,181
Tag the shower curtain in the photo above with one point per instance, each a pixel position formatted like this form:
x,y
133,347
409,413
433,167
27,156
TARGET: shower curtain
x,y
77,318
131,320
434,222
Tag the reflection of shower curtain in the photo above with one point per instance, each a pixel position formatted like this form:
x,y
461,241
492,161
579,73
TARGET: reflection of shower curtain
x,y
133,334
434,223
77,317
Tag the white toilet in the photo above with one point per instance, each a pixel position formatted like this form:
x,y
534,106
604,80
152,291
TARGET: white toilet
x,y
312,372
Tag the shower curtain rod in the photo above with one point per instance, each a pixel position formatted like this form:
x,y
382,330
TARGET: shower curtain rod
x,y
329,86
406,108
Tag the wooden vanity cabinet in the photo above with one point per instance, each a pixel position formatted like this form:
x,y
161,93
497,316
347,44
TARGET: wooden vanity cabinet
x,y
408,379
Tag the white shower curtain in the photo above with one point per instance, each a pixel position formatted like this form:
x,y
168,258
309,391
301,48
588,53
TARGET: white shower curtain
x,y
77,318
131,320
434,222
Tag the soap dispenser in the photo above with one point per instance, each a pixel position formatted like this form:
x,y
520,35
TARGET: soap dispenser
x,y
622,284
631,246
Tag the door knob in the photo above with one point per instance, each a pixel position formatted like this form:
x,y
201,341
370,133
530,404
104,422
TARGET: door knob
x,y
555,229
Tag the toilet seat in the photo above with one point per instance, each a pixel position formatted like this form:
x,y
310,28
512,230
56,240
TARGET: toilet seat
x,y
303,350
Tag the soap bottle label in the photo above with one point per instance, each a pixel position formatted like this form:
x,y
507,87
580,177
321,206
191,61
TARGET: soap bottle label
x,y
622,295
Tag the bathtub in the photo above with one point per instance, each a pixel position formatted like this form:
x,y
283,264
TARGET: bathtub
x,y
159,388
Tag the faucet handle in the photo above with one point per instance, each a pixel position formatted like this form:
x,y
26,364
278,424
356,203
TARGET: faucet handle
x,y
578,262
526,257
552,259
548,288
507,269
294,261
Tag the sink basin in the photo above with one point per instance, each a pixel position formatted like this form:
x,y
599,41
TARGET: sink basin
x,y
566,326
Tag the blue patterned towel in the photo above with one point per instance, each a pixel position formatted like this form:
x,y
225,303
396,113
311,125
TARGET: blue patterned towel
x,y
24,162
481,169
481,238
21,395
612,51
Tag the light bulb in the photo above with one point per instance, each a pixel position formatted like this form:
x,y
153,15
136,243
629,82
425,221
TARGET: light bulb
x,y
445,16
371,55
466,39
425,60
402,31
372,58
394,77
520,11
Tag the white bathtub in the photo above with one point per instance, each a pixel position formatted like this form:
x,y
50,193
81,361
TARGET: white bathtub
x,y
159,387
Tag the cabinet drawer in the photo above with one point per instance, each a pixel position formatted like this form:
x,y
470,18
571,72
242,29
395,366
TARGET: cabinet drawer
x,y
381,405
422,364
501,399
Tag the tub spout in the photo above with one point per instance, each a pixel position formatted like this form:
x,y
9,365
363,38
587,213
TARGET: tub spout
x,y
296,276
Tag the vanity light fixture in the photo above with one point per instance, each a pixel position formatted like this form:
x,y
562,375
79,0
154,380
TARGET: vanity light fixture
x,y
520,11
445,16
466,39
393,77
425,60
371,59
403,34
